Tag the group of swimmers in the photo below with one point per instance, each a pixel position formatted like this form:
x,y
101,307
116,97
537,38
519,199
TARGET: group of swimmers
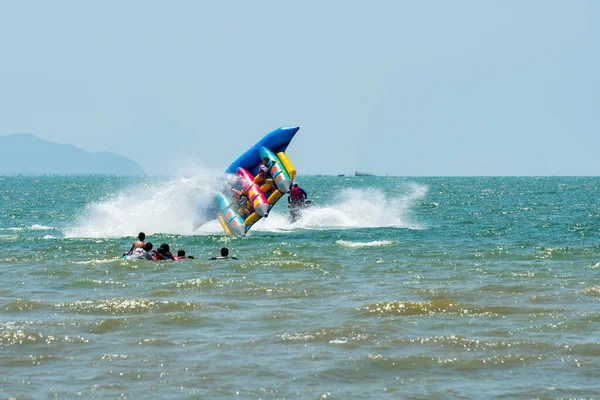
x,y
142,250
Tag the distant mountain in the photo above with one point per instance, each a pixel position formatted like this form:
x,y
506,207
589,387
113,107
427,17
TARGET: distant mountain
x,y
22,153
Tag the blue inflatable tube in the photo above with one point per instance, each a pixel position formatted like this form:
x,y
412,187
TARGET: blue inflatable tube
x,y
276,141
234,221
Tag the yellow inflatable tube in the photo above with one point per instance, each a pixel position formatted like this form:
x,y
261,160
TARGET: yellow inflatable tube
x,y
252,218
287,164
224,225
274,197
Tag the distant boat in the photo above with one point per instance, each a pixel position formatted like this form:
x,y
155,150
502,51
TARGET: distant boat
x,y
341,175
357,173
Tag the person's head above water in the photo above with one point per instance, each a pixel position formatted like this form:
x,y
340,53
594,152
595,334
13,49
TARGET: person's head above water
x,y
180,253
163,249
142,236
148,246
224,252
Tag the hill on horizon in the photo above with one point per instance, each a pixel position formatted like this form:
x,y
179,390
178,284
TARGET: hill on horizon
x,y
24,153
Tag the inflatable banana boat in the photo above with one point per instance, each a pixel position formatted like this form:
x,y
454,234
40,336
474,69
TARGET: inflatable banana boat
x,y
242,197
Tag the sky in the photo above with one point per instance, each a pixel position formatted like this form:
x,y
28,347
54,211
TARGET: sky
x,y
405,88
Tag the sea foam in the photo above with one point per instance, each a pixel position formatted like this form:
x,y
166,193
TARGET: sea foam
x,y
169,207
353,208
163,206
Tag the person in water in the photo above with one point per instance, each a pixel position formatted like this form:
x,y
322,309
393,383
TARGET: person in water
x,y
164,252
138,244
264,177
142,253
297,194
181,255
224,255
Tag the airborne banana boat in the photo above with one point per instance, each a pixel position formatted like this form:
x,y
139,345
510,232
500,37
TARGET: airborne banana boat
x,y
241,204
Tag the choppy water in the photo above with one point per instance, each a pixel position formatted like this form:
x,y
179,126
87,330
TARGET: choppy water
x,y
388,288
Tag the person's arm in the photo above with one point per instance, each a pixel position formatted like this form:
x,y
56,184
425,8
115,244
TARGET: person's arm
x,y
304,193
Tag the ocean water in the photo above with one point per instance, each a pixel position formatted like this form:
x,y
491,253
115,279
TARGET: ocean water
x,y
388,288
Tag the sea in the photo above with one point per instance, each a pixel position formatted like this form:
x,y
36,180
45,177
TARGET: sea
x,y
387,288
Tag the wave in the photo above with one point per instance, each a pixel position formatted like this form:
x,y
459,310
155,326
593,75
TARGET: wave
x,y
13,229
194,283
126,306
98,261
334,335
34,227
413,308
37,227
169,207
20,337
376,243
21,305
592,290
443,306
464,363
152,207
354,208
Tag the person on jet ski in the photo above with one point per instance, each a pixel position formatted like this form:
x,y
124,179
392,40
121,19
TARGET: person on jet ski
x,y
297,195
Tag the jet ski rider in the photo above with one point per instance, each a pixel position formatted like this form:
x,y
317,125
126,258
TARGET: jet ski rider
x,y
297,195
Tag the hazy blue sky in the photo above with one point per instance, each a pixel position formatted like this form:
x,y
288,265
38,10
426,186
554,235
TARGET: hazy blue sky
x,y
390,87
